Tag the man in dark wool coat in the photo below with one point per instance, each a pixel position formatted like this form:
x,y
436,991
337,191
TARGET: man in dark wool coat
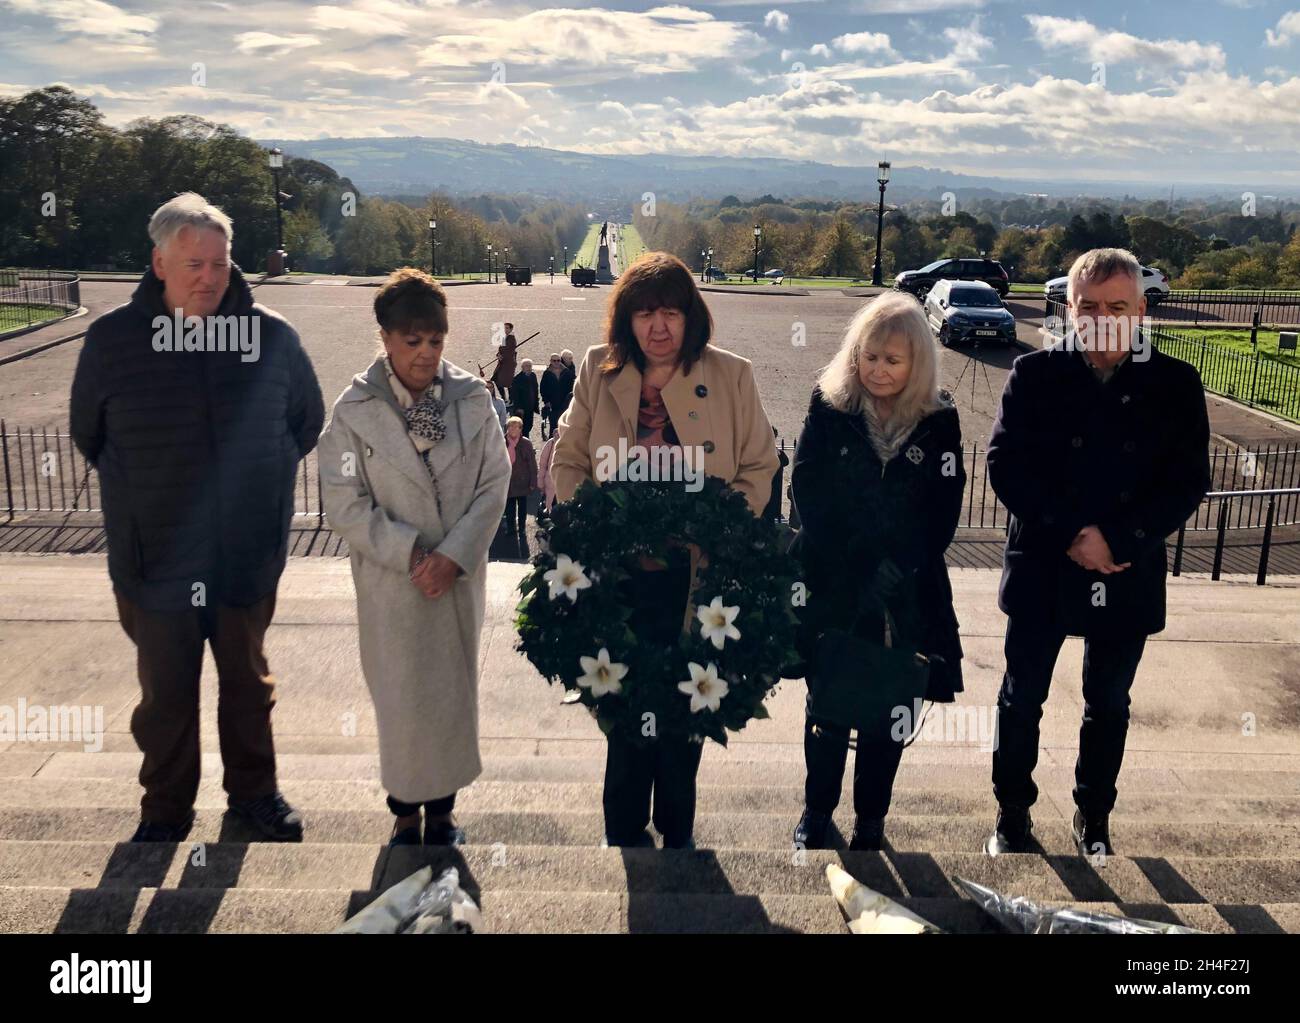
x,y
1100,451
195,406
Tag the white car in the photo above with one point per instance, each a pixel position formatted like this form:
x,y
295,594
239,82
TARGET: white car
x,y
1155,285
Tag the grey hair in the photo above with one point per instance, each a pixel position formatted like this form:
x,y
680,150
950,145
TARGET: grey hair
x,y
525,364
189,209
893,313
1097,265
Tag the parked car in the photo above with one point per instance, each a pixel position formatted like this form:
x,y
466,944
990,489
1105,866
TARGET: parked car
x,y
1155,285
989,271
775,273
961,311
716,273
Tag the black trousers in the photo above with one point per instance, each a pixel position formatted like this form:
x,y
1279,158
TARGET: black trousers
x,y
1109,666
875,765
433,807
527,416
517,514
665,767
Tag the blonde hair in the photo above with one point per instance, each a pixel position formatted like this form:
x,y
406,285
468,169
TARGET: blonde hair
x,y
889,315
514,421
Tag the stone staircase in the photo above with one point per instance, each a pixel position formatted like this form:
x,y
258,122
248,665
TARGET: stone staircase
x,y
1205,847
1208,823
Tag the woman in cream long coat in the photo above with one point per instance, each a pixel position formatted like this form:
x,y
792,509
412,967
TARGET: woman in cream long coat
x,y
401,508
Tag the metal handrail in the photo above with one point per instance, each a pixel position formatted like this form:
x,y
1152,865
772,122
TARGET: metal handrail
x,y
1226,497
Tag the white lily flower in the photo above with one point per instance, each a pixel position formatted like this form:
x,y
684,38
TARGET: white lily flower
x,y
567,577
600,675
715,622
704,688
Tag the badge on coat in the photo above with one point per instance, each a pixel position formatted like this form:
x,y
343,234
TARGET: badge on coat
x,y
914,454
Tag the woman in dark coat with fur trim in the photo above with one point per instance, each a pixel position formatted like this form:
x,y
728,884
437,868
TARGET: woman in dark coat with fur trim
x,y
878,479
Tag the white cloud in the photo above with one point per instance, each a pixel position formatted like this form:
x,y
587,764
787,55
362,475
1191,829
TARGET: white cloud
x,y
347,67
270,44
914,6
91,18
863,42
1097,44
820,50
968,44
1288,30
778,20
577,41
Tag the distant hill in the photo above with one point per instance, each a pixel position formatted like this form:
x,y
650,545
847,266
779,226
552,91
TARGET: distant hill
x,y
406,166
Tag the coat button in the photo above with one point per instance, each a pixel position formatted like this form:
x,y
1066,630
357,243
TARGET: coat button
x,y
1139,533
1076,442
701,391
1130,446
708,447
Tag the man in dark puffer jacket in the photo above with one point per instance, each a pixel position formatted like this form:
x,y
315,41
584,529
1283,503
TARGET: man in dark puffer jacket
x,y
196,435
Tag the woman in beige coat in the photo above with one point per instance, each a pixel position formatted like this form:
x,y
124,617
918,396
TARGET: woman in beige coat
x,y
657,383
414,475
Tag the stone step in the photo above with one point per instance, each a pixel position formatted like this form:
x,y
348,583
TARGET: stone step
x,y
1133,836
718,770
229,865
543,797
250,910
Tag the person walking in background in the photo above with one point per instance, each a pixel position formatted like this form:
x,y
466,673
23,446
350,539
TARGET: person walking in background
x,y
877,479
197,453
504,374
414,475
556,390
544,461
1100,451
523,482
498,405
525,395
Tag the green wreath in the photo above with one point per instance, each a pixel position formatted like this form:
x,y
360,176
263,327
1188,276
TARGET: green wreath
x,y
574,624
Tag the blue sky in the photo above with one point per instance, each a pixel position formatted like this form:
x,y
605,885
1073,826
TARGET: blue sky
x,y
1168,91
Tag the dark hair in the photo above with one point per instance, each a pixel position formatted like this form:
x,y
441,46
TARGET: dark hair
x,y
411,300
656,280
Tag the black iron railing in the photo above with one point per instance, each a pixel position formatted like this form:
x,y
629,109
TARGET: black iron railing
x,y
29,297
1225,499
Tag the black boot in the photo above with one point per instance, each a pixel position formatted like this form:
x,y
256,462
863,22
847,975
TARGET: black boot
x,y
810,832
272,816
1092,833
868,835
1013,832
155,831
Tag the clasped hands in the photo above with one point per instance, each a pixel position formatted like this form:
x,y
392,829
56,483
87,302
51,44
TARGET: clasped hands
x,y
431,573
1091,551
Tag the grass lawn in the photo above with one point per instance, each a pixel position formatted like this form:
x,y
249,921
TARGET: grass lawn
x,y
1228,367
633,246
25,314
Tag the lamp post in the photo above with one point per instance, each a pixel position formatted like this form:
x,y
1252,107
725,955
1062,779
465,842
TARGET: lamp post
x,y
276,161
703,267
552,269
758,233
489,262
883,180
433,245
566,261
708,266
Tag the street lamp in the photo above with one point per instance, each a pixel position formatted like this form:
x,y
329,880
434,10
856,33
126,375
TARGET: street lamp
x,y
758,233
552,258
703,266
489,267
433,245
880,220
566,261
276,161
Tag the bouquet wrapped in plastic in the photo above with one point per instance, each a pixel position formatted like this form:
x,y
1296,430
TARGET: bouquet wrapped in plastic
x,y
1024,916
419,905
870,912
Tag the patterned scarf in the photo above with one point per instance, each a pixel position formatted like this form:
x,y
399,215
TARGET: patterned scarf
x,y
424,421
